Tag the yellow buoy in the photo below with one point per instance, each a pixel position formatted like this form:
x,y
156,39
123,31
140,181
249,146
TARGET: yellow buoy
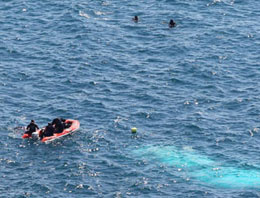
x,y
134,130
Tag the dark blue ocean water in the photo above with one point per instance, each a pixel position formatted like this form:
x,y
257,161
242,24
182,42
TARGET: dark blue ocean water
x,y
192,92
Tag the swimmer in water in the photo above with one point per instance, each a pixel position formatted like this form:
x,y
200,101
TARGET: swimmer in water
x,y
172,24
135,19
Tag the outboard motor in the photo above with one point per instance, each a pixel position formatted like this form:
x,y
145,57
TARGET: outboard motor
x,y
35,136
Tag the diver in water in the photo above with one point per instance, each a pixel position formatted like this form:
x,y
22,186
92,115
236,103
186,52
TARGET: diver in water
x,y
172,24
135,19
48,131
58,124
32,127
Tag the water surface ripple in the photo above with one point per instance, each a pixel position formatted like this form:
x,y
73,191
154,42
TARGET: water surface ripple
x,y
193,88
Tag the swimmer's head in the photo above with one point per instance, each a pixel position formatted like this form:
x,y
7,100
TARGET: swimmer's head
x,y
135,18
172,23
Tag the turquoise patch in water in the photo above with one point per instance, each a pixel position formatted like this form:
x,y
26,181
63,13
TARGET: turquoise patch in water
x,y
201,167
229,177
171,156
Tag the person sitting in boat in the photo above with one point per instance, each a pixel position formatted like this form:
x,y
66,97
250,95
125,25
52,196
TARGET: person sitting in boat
x,y
48,131
66,125
59,126
32,127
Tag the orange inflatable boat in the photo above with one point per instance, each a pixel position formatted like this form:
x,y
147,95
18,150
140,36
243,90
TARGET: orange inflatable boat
x,y
74,126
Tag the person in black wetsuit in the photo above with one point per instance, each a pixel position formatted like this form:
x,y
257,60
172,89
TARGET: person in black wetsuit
x,y
59,126
48,131
66,125
135,19
172,24
32,127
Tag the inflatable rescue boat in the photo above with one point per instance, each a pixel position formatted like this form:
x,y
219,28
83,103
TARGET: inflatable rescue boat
x,y
73,126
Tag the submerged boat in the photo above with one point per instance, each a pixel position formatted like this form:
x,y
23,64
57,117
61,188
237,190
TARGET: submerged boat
x,y
73,126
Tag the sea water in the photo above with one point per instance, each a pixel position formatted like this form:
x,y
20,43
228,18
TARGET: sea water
x,y
191,91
